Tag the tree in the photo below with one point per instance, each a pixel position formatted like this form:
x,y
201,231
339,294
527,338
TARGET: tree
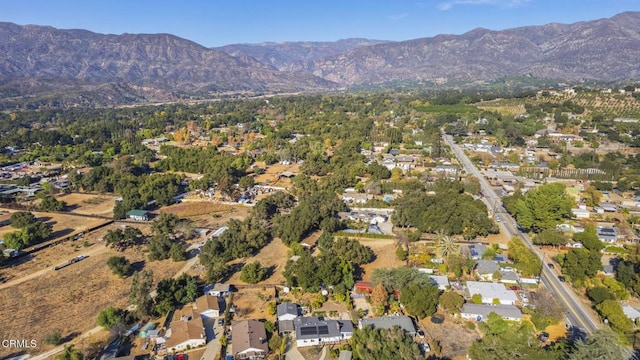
x,y
517,342
253,273
140,292
523,258
382,344
420,300
50,203
496,325
589,238
601,344
165,224
550,237
543,208
451,301
177,252
54,337
21,219
476,299
580,264
379,296
592,196
119,265
547,309
70,353
109,317
611,310
401,253
599,294
445,245
352,251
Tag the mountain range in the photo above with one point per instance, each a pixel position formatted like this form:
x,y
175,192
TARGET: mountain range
x,y
76,66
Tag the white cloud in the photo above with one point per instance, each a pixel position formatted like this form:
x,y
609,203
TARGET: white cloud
x,y
397,17
499,3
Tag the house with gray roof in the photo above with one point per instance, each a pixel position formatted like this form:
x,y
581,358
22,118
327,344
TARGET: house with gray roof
x,y
607,235
312,331
287,311
509,277
486,269
474,251
480,312
388,322
489,291
441,281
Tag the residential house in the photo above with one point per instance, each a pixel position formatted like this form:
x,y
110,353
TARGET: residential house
x,y
220,290
509,277
363,287
474,251
446,169
311,331
607,207
138,215
580,213
186,330
208,306
631,312
355,198
607,235
287,312
481,312
387,322
490,291
486,269
249,340
442,282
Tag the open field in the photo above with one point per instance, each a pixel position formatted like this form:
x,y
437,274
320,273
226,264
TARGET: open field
x,y
385,250
63,225
270,177
43,261
272,256
195,208
452,346
251,303
70,299
89,204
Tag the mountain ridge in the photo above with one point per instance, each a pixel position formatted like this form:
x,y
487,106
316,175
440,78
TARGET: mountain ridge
x,y
42,60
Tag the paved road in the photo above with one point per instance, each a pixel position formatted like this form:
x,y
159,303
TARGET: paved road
x,y
578,314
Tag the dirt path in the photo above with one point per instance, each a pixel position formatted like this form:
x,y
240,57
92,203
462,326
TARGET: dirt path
x,y
49,354
95,250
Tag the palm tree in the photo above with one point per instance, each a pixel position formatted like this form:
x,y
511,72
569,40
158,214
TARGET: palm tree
x,y
70,353
445,245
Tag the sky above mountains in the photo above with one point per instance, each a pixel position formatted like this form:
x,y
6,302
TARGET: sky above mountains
x,y
221,22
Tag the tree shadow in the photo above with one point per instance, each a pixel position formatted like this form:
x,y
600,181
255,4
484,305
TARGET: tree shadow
x,y
270,271
69,337
137,266
71,207
60,233
231,270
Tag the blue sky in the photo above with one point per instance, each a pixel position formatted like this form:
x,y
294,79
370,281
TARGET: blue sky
x,y
220,22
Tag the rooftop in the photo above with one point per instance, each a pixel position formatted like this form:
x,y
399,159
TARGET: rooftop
x,y
506,311
249,334
387,322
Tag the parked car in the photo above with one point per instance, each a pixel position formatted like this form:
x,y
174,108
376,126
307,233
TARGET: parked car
x,y
220,321
425,347
420,334
562,278
550,265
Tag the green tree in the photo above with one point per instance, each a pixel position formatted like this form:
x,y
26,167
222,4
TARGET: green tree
x,y
381,344
420,300
451,301
53,338
611,310
50,203
70,353
523,258
109,317
253,273
21,219
601,344
476,299
140,292
599,294
543,208
445,245
589,238
119,265
550,237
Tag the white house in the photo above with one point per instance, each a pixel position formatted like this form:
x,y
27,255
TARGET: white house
x,y
208,306
489,291
580,213
630,312
481,312
311,331
442,282
287,311
220,290
186,330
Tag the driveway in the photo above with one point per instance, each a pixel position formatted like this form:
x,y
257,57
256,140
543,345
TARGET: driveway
x,y
213,346
292,351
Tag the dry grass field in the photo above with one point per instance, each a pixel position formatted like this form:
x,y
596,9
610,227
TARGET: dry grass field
x,y
272,256
69,299
270,177
89,204
385,250
189,209
251,303
63,224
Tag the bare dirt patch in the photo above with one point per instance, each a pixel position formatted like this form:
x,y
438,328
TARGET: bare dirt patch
x,y
385,250
69,299
89,204
251,303
271,175
452,346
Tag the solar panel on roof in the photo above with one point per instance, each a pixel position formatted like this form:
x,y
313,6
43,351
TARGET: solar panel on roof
x,y
323,330
308,331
